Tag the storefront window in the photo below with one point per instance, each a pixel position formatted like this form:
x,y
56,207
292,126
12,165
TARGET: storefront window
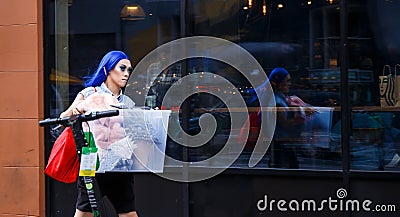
x,y
292,35
302,37
374,44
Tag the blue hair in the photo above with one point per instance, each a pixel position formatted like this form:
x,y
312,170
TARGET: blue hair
x,y
277,76
109,61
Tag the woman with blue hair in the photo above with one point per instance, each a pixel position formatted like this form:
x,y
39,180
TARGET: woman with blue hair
x,y
109,78
280,80
289,123
276,80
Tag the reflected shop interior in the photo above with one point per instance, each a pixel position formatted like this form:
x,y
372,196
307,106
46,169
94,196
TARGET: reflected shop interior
x,y
304,36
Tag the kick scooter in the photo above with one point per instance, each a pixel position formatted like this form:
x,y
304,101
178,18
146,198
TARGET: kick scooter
x,y
97,204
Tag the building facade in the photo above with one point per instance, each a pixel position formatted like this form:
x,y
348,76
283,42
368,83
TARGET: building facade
x,y
21,71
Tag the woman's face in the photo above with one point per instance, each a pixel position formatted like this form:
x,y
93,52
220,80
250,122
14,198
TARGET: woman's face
x,y
119,75
284,86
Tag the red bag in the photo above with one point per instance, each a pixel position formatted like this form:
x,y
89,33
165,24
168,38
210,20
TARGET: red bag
x,y
253,124
63,162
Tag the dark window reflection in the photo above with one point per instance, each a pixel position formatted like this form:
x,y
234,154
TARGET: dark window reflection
x,y
301,36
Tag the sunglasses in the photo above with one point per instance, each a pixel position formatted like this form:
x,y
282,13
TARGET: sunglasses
x,y
123,68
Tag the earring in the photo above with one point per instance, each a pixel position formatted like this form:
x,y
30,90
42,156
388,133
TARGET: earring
x,y
105,71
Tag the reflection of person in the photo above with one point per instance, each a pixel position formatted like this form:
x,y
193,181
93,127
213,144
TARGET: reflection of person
x,y
289,123
111,75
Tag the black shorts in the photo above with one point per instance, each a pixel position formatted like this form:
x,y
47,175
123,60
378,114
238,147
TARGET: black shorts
x,y
118,187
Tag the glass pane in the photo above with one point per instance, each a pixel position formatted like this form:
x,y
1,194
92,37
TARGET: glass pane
x,y
374,52
81,33
85,30
59,77
301,37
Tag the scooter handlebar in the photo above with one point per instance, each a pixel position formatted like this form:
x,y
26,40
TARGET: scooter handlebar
x,y
88,116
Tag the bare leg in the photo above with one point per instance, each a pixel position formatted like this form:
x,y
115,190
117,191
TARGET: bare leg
x,y
130,214
79,213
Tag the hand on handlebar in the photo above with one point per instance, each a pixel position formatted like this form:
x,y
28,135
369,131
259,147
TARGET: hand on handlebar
x,y
79,107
